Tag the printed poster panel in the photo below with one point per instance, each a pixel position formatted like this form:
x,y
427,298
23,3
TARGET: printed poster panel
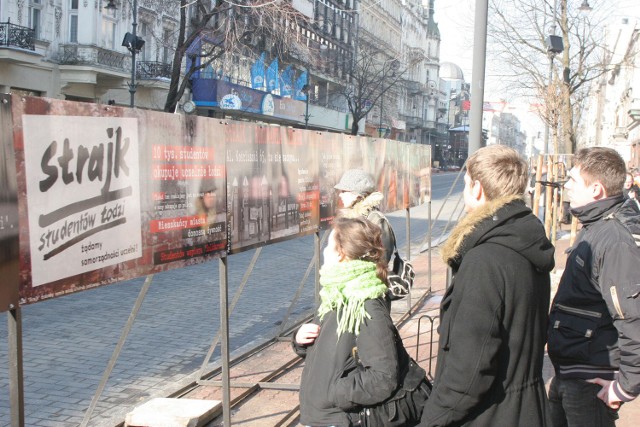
x,y
404,175
370,160
187,218
109,194
330,153
248,185
421,162
294,184
387,173
353,152
9,240
83,193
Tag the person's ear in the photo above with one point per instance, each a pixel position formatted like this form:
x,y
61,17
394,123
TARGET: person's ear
x,y
598,191
477,191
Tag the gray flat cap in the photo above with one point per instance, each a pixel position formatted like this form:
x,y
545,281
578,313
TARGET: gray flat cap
x,y
356,181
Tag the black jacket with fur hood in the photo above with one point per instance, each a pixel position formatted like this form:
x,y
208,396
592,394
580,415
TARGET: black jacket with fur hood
x,y
493,321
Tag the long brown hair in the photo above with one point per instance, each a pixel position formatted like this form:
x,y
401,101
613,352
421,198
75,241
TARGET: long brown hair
x,y
358,238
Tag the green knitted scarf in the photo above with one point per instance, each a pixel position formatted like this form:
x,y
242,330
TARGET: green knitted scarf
x,y
345,288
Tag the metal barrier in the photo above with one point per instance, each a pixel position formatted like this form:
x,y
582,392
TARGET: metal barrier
x,y
431,320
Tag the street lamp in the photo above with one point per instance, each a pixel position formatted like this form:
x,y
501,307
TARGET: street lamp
x,y
554,46
133,43
306,89
585,7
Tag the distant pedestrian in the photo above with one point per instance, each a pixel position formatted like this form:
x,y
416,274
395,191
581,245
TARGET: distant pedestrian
x,y
359,199
354,355
493,316
594,325
628,183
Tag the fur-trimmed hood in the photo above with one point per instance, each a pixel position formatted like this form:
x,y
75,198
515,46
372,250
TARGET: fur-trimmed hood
x,y
505,221
362,207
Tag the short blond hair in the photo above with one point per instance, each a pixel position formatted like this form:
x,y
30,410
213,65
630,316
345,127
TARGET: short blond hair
x,y
500,170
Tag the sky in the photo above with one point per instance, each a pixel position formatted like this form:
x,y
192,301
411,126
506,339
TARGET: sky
x,y
455,21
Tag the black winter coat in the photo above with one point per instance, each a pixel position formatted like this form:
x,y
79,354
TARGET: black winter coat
x,y
595,317
327,391
493,321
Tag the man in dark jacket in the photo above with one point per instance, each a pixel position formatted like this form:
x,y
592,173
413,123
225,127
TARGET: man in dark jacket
x,y
594,328
493,316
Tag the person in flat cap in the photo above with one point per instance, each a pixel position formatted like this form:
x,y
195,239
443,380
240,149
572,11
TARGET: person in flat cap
x,y
359,198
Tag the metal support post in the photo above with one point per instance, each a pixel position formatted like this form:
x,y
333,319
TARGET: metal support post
x,y
478,73
224,341
16,377
133,85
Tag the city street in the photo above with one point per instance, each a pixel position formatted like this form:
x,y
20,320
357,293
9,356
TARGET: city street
x,y
68,341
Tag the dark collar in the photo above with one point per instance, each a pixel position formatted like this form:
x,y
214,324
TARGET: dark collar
x,y
595,211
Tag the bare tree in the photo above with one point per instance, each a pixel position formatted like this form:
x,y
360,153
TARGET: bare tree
x,y
220,30
371,76
518,30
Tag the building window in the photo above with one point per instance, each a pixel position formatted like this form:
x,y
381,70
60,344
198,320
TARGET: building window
x,y
108,35
166,43
35,12
144,30
73,21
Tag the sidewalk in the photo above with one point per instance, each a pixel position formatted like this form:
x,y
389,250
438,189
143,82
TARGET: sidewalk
x,y
268,406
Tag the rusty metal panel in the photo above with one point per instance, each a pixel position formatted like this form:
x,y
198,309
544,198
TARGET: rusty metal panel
x,y
9,255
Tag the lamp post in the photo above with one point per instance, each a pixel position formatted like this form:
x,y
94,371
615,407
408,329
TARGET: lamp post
x,y
381,99
554,46
133,43
305,89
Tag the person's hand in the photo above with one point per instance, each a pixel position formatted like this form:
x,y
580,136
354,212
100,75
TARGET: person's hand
x,y
307,333
606,393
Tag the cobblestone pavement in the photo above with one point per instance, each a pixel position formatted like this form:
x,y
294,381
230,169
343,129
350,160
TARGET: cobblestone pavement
x,y
68,341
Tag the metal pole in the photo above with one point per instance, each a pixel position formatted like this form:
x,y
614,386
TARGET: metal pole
x,y
133,84
408,229
306,111
117,350
429,235
306,114
224,341
380,127
550,75
478,73
16,376
316,255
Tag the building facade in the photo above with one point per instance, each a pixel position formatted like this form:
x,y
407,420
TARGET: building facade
x,y
612,113
70,49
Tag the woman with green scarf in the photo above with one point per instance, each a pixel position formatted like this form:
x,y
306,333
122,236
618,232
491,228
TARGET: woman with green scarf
x,y
353,323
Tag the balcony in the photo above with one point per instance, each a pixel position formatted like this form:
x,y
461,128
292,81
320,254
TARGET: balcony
x,y
75,54
634,110
414,87
620,134
16,36
148,70
414,122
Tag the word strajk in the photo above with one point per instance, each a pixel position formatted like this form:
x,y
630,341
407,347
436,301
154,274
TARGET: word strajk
x,y
93,164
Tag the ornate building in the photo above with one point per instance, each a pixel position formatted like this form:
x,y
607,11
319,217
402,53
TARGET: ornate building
x,y
70,49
